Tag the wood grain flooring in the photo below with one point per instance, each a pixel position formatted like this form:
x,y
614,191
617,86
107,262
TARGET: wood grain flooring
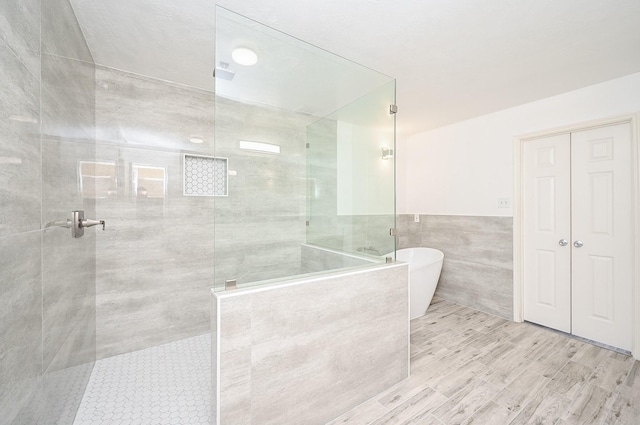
x,y
469,367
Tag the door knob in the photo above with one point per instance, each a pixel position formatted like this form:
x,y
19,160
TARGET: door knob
x,y
563,242
577,244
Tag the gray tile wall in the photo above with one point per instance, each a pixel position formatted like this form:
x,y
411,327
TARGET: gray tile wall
x,y
322,167
315,259
155,258
478,257
261,224
20,107
20,322
47,323
306,353
367,233
68,264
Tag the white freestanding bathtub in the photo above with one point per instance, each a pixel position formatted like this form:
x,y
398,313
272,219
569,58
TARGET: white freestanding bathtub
x,y
425,265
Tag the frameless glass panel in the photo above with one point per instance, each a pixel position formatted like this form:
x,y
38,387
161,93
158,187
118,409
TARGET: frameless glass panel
x,y
289,74
48,169
280,119
350,166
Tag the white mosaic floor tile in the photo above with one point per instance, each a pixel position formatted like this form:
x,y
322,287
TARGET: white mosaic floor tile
x,y
63,392
168,384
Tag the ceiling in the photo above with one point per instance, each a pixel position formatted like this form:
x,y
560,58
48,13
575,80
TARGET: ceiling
x,y
293,75
453,59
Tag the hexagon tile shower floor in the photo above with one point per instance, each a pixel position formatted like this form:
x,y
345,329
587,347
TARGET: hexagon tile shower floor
x,y
167,384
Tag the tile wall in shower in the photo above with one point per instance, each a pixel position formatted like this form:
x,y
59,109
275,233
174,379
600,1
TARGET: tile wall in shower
x,y
47,308
155,258
261,224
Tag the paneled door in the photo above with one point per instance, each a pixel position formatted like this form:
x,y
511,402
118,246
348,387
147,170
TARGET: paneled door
x,y
578,227
602,245
547,231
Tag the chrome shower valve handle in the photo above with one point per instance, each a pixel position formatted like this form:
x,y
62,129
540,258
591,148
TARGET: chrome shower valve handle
x,y
79,223
91,223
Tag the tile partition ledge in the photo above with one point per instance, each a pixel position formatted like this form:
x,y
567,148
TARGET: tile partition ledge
x,y
307,351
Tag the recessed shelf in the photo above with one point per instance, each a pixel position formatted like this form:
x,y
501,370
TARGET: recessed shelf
x,y
205,176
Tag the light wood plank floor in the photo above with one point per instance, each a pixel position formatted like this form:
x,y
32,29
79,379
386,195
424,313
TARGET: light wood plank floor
x,y
469,367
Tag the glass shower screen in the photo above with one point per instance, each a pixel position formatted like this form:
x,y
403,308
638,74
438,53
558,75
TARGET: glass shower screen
x,y
307,139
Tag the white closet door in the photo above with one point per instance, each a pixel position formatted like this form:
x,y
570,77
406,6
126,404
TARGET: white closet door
x,y
547,222
602,268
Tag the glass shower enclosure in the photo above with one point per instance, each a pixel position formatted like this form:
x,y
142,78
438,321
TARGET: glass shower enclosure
x,y
304,144
299,180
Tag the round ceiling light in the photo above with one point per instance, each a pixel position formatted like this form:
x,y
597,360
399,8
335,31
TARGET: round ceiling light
x,y
244,56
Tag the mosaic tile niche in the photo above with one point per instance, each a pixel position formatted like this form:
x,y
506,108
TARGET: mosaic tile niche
x,y
205,176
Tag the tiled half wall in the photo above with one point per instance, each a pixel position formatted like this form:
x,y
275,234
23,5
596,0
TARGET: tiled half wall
x,y
478,257
306,352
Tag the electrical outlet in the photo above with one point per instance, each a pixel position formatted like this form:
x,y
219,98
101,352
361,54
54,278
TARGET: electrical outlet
x,y
416,218
504,203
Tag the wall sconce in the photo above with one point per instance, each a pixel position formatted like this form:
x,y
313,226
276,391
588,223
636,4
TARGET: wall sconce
x,y
387,153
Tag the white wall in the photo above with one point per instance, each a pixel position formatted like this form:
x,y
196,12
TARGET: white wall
x,y
463,168
365,180
402,188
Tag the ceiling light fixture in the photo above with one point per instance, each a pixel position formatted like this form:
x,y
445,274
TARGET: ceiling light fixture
x,y
244,56
196,139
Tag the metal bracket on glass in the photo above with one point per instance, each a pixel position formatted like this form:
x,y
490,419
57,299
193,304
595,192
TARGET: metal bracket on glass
x,y
393,109
230,284
393,232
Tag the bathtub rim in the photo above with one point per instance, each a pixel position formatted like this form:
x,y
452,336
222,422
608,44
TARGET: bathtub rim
x,y
421,262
